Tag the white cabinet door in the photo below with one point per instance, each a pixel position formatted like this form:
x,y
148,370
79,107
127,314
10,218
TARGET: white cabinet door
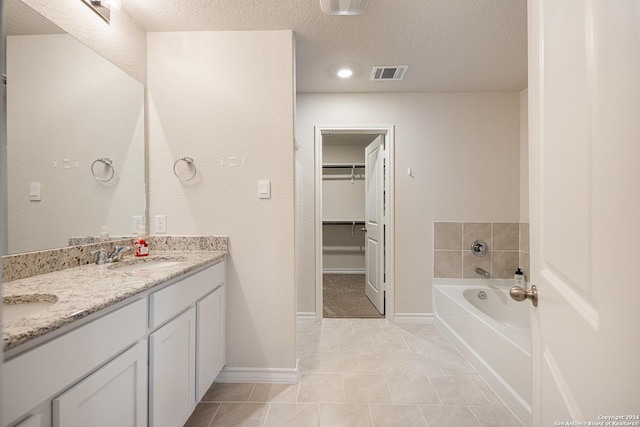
x,y
115,395
172,371
211,340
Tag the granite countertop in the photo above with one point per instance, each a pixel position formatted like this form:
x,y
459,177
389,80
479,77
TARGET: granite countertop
x,y
81,291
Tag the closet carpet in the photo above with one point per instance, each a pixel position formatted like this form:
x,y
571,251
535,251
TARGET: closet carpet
x,y
343,296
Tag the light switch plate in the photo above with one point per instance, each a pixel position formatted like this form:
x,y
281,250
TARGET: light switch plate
x,y
35,191
264,189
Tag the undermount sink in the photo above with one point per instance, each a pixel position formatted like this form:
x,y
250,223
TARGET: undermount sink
x,y
144,264
20,306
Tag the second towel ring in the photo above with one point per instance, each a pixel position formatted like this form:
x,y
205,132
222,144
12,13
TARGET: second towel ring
x,y
190,164
108,163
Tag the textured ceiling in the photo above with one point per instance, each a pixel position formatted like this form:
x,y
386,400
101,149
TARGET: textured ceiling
x,y
450,45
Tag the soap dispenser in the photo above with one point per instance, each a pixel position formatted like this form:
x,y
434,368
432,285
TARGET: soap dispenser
x,y
519,277
141,246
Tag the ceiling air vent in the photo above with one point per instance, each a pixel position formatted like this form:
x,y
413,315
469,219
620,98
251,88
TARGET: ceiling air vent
x,y
395,72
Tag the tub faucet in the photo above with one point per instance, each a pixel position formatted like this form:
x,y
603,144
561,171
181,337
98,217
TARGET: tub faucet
x,y
484,273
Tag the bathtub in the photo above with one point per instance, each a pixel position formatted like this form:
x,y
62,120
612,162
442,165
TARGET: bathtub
x,y
493,332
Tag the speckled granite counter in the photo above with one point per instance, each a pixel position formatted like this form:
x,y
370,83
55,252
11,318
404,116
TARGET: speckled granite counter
x,y
84,290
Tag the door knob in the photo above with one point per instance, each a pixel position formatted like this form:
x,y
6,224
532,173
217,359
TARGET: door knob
x,y
364,229
520,294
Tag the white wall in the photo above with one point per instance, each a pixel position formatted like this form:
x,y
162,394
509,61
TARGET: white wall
x,y
212,96
67,102
123,42
463,149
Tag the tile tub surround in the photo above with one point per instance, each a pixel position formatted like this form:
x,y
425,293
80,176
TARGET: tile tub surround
x,y
363,372
20,266
84,290
508,249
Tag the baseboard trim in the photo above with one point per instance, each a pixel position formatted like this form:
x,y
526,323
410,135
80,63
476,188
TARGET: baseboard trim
x,y
413,318
306,316
260,375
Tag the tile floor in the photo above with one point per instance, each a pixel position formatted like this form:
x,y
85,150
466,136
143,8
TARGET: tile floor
x,y
363,372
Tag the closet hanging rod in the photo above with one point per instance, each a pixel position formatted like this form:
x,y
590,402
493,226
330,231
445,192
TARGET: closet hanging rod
x,y
330,222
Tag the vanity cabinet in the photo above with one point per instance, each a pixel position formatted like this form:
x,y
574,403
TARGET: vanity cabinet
x,y
186,351
145,363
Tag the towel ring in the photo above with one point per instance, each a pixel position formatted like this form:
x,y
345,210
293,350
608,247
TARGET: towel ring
x,y
108,163
189,162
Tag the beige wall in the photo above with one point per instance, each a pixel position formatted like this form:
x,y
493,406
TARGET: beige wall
x,y
213,96
463,149
123,42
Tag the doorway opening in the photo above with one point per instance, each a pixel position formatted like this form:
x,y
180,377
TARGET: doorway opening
x,y
354,222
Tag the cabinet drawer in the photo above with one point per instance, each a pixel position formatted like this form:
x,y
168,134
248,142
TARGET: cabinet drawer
x,y
38,374
168,302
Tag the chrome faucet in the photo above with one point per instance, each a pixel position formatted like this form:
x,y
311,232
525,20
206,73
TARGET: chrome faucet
x,y
102,257
118,252
484,273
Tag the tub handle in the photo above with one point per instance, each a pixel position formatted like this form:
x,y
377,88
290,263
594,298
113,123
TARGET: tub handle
x,y
520,294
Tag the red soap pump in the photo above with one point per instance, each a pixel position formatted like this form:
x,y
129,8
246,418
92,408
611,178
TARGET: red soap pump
x,y
141,246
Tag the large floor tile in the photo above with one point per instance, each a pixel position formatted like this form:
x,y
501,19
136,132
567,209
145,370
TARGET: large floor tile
x,y
240,415
397,416
458,390
202,415
332,415
292,415
495,416
366,389
274,393
221,392
408,389
321,388
449,416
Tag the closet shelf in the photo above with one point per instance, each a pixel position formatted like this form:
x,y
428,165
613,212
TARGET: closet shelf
x,y
343,165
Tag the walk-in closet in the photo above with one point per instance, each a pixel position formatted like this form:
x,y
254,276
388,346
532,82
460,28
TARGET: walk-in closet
x,y
343,226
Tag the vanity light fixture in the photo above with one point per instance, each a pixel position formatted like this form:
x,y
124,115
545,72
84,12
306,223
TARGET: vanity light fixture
x,y
345,72
343,7
103,7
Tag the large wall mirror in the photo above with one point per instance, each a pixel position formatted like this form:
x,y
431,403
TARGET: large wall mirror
x,y
75,138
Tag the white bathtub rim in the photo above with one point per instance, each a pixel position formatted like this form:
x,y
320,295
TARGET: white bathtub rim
x,y
521,341
510,397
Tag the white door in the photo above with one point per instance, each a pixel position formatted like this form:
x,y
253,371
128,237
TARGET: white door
x,y
374,222
584,92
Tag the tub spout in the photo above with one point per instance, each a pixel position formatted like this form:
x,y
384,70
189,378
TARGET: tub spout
x,y
484,273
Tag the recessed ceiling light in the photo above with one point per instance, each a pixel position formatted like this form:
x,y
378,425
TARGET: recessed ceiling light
x,y
343,7
345,73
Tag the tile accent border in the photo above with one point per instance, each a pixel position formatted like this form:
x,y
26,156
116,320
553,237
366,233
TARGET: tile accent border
x,y
28,264
508,245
